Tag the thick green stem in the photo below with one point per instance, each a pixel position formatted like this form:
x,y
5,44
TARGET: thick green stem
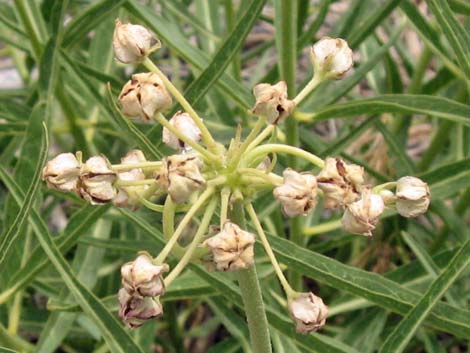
x,y
251,294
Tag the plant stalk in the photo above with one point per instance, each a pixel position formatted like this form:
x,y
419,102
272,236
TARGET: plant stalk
x,y
251,294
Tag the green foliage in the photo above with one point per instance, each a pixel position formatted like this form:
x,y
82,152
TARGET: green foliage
x,y
399,112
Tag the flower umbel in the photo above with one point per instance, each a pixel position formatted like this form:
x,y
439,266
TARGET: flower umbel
x,y
298,193
132,43
308,312
232,248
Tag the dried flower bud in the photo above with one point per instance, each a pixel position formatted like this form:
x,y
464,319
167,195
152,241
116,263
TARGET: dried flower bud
x,y
272,102
332,57
143,277
341,183
127,195
298,194
96,181
133,43
136,310
181,176
186,125
413,196
308,312
62,172
232,248
362,216
144,95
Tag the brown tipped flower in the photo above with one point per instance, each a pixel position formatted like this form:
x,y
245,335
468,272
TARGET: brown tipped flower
x,y
298,193
185,124
128,195
341,183
308,312
136,310
96,181
144,95
133,43
232,248
143,277
62,172
181,176
362,216
332,57
413,196
272,102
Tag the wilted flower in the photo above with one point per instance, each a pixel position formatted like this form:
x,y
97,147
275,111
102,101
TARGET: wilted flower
x,y
298,193
340,182
132,43
144,95
332,57
232,248
143,277
135,310
186,125
272,102
127,194
96,181
413,196
62,172
181,176
308,311
361,216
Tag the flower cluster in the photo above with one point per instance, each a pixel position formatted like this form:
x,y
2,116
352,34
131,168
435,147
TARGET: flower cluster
x,y
204,173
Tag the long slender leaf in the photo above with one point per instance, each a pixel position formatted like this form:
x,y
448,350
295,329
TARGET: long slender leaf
x,y
398,339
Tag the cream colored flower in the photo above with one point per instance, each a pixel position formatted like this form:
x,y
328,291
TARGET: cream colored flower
x,y
96,181
186,125
133,43
272,102
308,312
232,248
362,216
181,176
136,310
128,195
298,193
413,196
341,183
62,172
143,277
332,57
144,95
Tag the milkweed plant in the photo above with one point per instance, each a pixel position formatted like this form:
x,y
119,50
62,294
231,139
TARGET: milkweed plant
x,y
209,196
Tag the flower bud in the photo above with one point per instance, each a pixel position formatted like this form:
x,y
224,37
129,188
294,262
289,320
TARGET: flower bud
x,y
96,181
308,312
232,248
143,277
341,183
332,57
127,195
413,196
387,196
362,216
62,172
181,176
272,102
135,310
298,193
186,125
132,43
144,95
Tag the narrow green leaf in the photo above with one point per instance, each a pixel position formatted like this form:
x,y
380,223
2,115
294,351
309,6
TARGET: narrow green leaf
x,y
118,339
13,231
399,103
88,19
447,179
398,339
